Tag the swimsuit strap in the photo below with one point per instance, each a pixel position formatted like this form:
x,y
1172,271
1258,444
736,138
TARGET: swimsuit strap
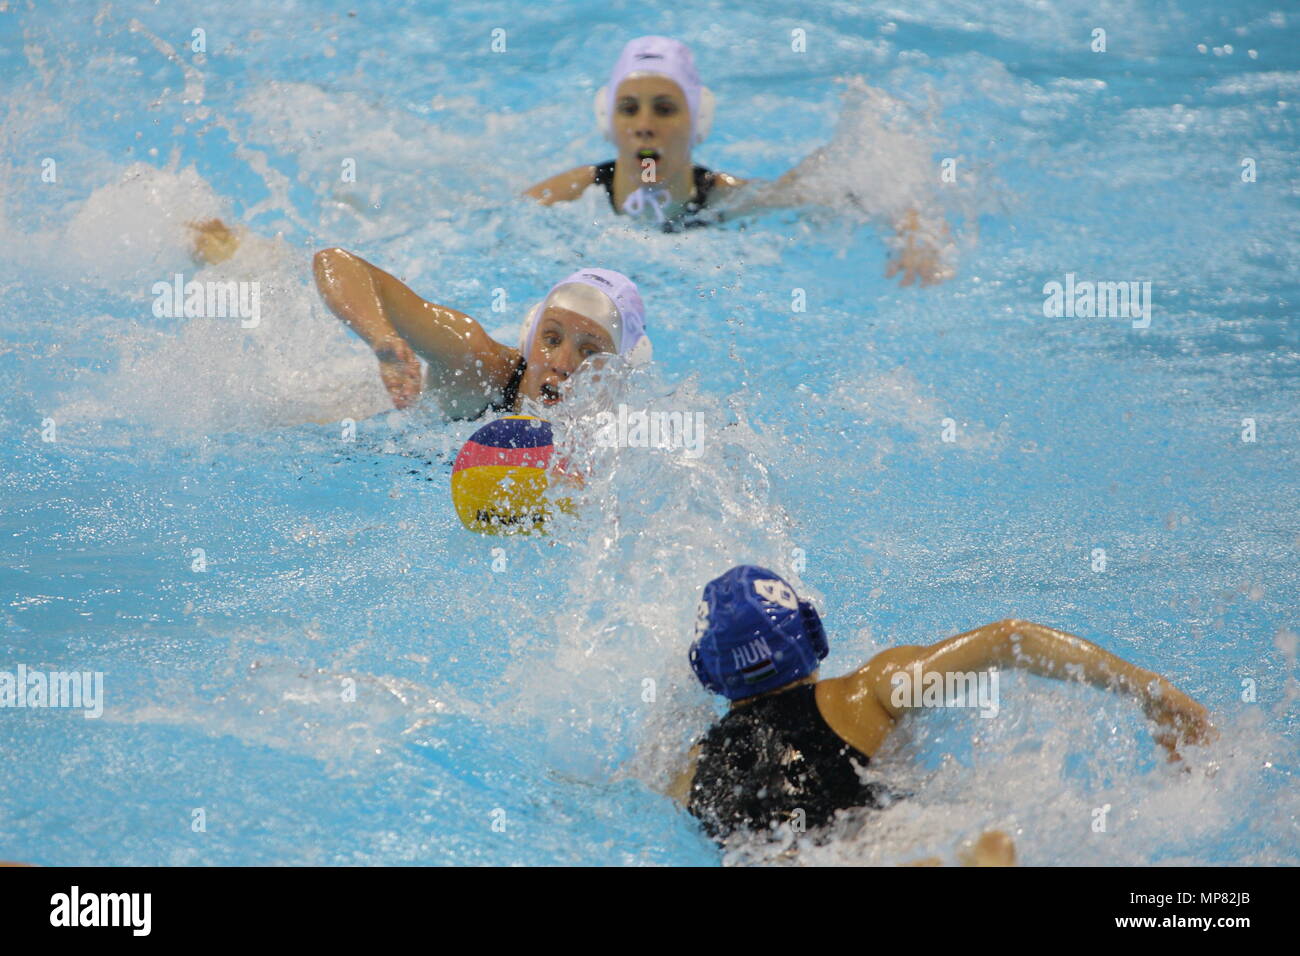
x,y
605,177
510,394
704,180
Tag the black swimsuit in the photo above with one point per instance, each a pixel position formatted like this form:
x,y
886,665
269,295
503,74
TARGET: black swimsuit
x,y
704,180
510,394
769,758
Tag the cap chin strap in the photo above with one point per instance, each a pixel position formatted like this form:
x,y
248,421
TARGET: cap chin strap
x,y
647,197
703,123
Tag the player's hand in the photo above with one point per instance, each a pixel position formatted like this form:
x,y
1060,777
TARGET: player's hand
x,y
400,371
918,258
1183,720
213,241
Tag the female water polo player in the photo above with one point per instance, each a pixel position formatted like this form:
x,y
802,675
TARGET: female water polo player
x,y
654,109
791,742
590,312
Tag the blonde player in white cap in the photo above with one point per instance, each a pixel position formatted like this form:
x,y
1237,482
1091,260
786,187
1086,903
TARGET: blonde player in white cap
x,y
590,312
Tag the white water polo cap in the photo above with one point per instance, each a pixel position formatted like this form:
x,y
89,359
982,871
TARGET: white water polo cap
x,y
658,56
608,298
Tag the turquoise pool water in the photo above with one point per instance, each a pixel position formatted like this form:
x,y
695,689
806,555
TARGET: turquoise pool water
x,y
306,659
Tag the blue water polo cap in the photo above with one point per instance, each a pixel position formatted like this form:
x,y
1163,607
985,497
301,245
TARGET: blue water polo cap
x,y
753,634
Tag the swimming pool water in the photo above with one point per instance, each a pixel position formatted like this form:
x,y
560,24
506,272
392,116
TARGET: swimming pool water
x,y
348,676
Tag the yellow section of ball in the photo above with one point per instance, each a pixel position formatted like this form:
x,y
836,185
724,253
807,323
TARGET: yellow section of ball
x,y
502,499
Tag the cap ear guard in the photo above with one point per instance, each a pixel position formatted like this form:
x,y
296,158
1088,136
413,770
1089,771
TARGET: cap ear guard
x,y
703,122
527,329
641,353
813,630
601,105
705,678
